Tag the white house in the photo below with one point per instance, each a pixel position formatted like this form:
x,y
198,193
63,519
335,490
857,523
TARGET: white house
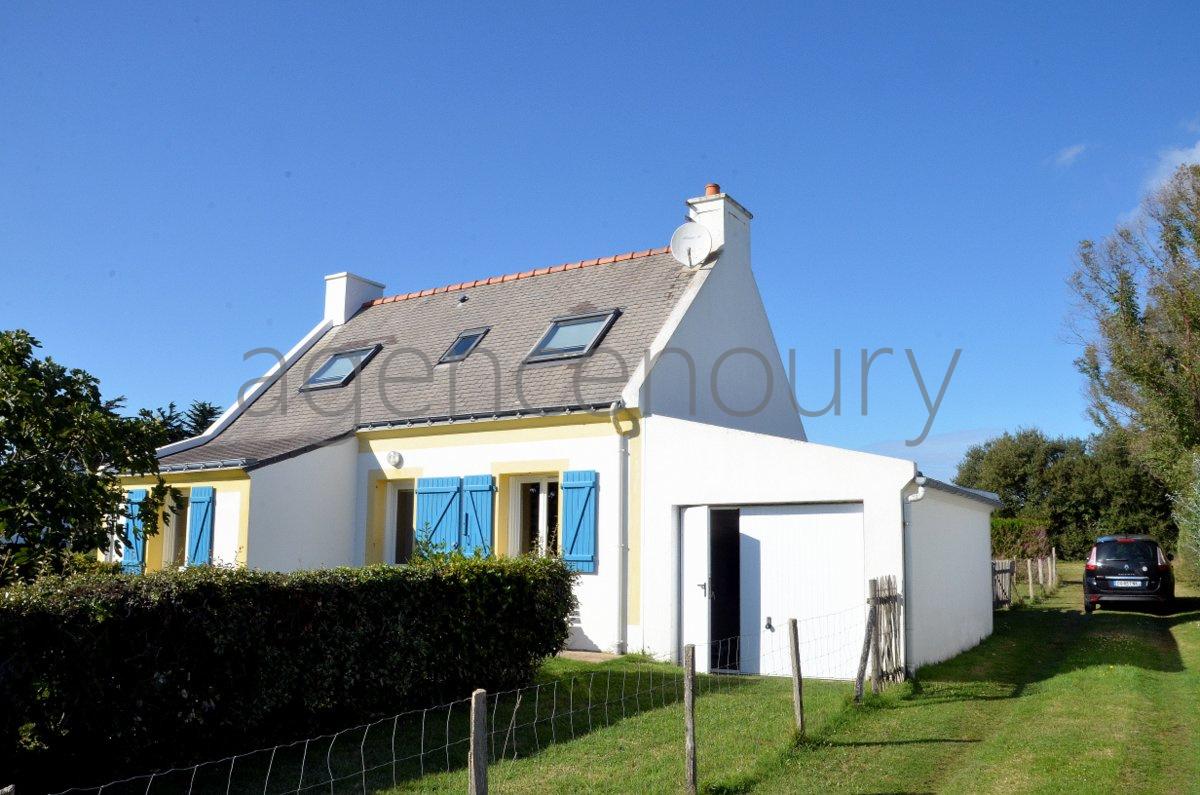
x,y
630,413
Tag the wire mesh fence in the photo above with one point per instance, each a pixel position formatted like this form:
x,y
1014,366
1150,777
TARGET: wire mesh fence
x,y
429,748
1021,580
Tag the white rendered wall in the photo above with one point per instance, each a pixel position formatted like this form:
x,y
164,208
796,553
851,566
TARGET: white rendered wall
x,y
721,364
436,456
302,510
948,601
227,525
691,463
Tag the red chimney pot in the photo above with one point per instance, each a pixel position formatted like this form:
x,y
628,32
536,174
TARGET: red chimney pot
x,y
712,189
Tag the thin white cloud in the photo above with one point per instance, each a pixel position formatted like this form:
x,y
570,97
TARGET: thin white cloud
x,y
1168,161
1069,154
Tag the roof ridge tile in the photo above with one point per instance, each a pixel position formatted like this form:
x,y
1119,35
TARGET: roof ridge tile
x,y
510,277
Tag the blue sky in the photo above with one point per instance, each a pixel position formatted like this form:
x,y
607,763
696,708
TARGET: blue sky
x,y
176,179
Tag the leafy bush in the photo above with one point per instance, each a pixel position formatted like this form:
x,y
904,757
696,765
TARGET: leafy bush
x,y
1187,516
112,674
1019,538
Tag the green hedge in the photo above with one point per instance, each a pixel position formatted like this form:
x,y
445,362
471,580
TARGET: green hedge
x,y
103,675
1019,538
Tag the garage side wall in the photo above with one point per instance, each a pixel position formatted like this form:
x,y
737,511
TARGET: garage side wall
x,y
948,601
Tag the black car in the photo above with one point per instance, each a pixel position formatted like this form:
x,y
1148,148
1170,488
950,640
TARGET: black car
x,y
1127,569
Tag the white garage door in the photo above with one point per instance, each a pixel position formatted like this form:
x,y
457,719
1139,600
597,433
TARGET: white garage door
x,y
793,561
804,562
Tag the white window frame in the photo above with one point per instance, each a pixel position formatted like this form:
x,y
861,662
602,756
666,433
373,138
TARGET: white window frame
x,y
515,528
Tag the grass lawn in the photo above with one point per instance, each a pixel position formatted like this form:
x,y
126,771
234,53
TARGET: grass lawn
x,y
1054,701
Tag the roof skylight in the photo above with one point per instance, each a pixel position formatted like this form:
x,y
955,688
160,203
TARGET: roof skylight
x,y
572,337
340,368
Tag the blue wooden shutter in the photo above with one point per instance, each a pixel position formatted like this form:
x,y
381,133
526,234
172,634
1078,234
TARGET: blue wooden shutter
x,y
579,520
439,511
200,525
133,558
477,514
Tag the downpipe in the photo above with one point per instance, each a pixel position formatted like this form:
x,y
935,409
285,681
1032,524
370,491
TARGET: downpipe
x,y
906,549
622,526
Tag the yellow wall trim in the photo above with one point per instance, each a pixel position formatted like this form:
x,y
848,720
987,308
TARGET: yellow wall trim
x,y
528,429
223,480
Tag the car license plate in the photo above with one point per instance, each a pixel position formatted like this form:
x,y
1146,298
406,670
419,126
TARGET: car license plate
x,y
1127,583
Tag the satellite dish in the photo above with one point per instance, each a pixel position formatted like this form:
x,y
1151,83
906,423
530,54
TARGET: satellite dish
x,y
691,244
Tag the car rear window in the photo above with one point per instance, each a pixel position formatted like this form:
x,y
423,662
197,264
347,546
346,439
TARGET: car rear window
x,y
1127,551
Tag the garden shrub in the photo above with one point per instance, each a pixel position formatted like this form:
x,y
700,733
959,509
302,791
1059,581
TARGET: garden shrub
x,y
104,675
1019,538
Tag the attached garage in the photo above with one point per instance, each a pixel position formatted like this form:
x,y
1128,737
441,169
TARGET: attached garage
x,y
757,549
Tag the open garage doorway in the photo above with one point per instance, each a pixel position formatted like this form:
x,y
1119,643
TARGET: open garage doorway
x,y
746,570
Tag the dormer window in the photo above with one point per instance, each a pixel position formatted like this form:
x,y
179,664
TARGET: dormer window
x,y
572,337
340,368
461,348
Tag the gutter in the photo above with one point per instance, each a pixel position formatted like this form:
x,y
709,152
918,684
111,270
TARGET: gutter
x,y
979,495
451,419
225,463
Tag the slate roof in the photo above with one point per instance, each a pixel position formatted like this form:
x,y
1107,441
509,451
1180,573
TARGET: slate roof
x,y
402,382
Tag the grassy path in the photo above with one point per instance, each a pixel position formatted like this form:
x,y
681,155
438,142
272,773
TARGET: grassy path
x,y
1054,701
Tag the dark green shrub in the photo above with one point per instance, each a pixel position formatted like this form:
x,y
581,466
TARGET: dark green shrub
x,y
1019,538
104,675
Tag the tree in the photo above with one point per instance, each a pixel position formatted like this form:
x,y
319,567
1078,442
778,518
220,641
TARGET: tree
x,y
1072,489
62,450
193,422
200,415
1018,468
1140,292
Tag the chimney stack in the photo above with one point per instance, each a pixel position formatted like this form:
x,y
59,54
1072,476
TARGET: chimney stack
x,y
345,293
727,221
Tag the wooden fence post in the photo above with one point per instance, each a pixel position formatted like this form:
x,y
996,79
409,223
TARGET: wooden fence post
x,y
477,759
797,678
1041,575
866,651
1054,568
874,590
689,717
1029,571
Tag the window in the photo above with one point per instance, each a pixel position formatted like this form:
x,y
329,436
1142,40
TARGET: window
x,y
533,519
340,368
461,348
1136,552
570,337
